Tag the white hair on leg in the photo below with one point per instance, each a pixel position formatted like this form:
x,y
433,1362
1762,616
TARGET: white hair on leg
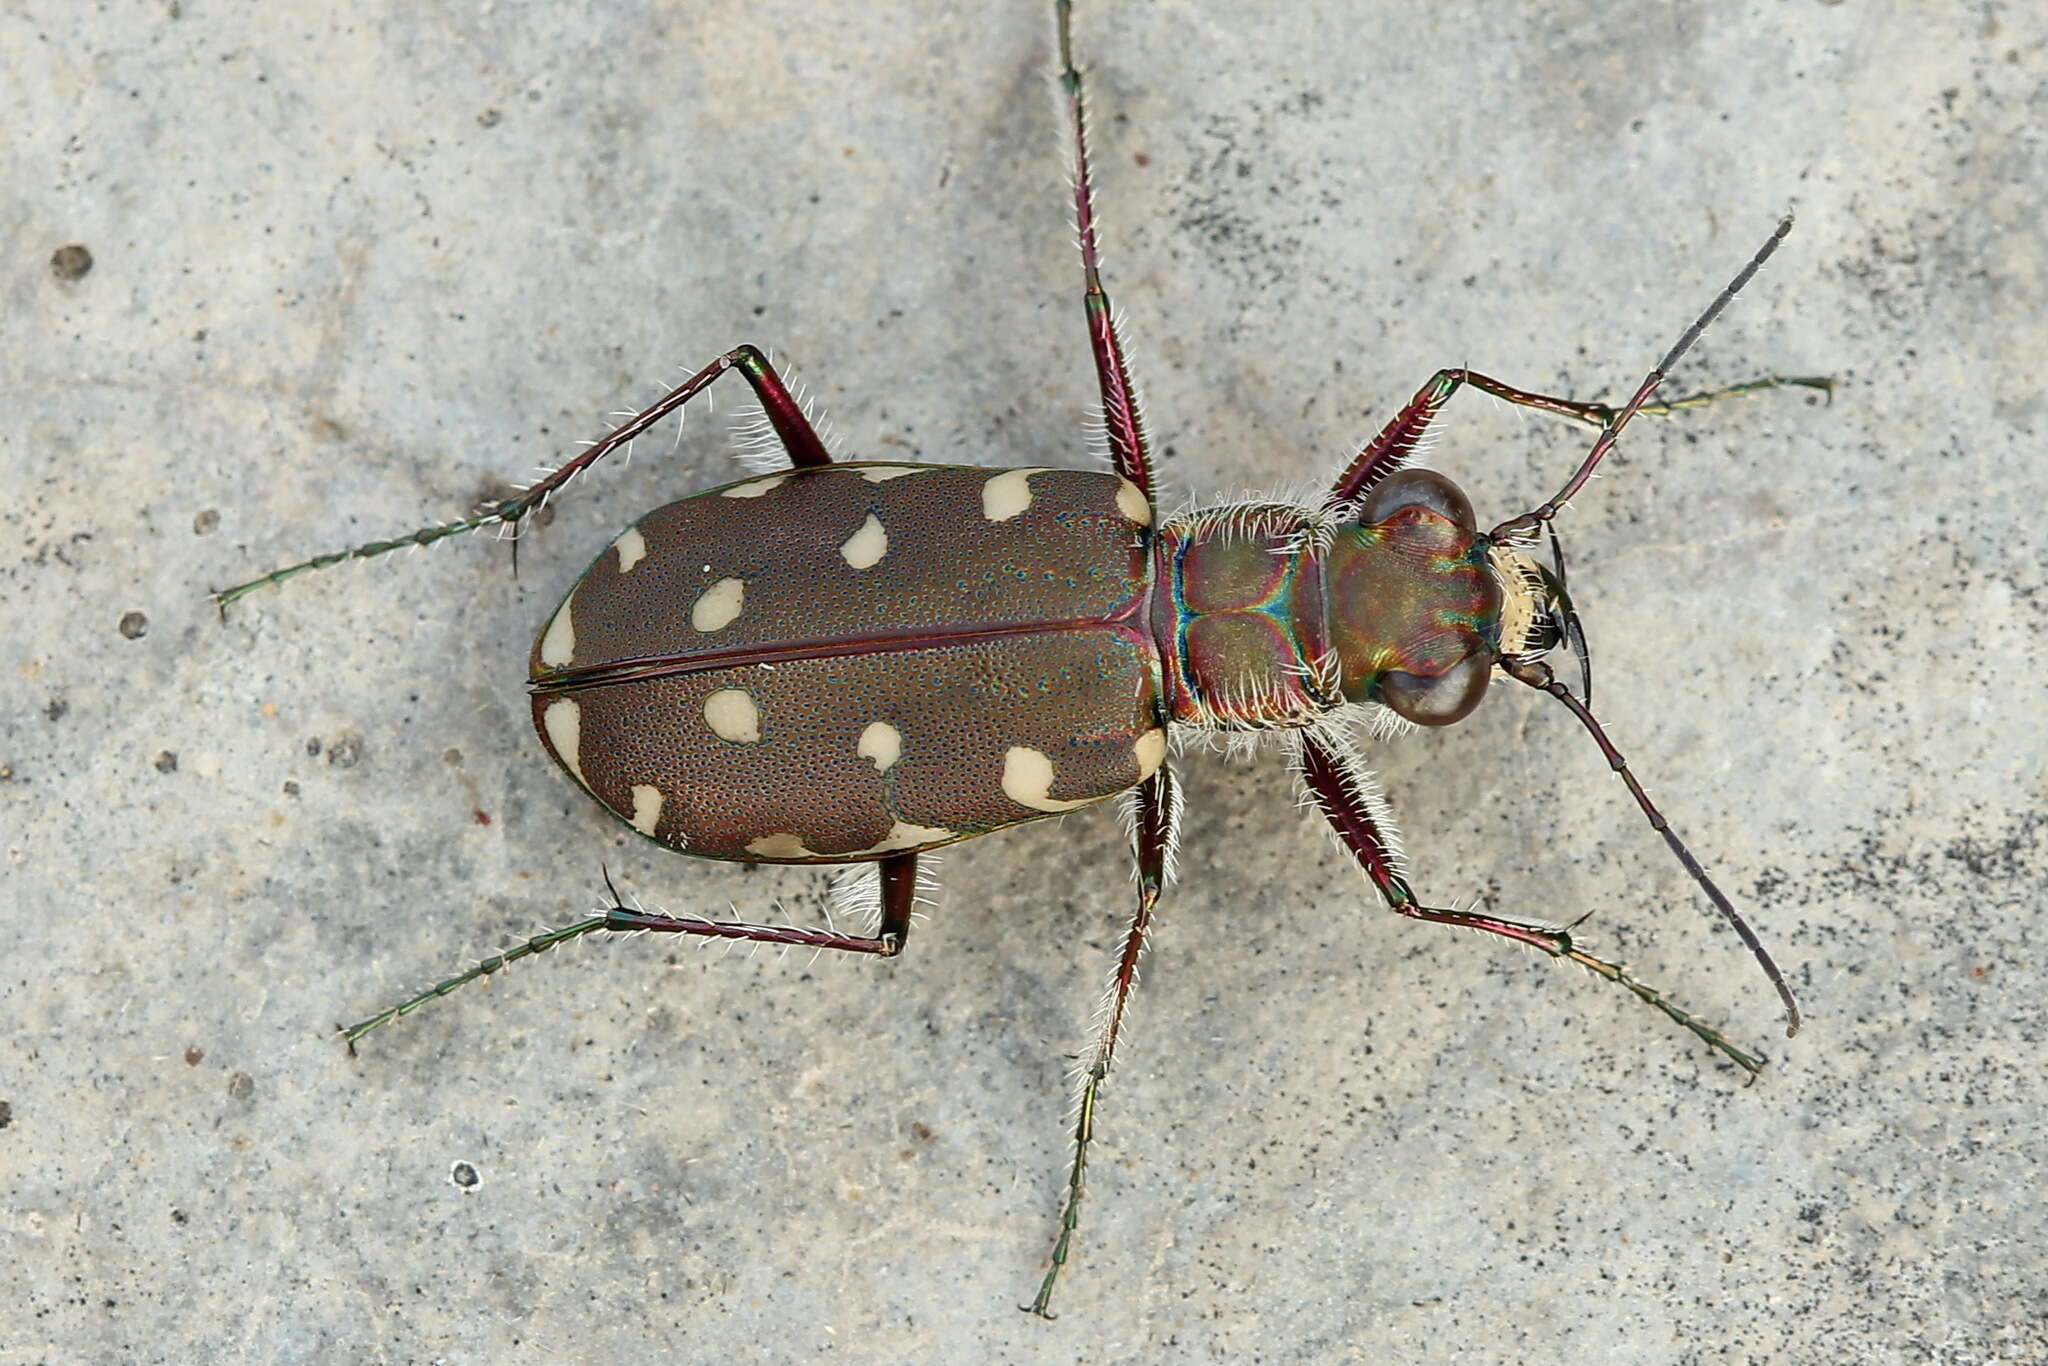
x,y
856,895
927,891
1111,1019
757,447
1358,786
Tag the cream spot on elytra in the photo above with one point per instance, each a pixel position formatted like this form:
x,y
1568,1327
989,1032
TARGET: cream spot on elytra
x,y
879,474
754,488
880,744
646,807
558,642
563,721
1027,781
780,845
717,605
1007,494
1150,752
904,835
865,548
1130,501
732,715
632,548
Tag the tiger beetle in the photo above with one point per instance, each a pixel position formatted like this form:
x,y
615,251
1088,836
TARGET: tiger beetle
x,y
854,663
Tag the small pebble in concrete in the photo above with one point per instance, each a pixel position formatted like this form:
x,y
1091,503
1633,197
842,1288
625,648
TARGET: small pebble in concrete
x,y
464,1176
205,522
134,625
166,761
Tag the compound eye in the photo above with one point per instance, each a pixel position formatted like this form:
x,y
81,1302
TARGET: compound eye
x,y
1439,701
1416,488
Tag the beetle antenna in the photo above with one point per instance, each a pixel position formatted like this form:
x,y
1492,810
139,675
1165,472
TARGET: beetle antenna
x,y
1538,675
1525,526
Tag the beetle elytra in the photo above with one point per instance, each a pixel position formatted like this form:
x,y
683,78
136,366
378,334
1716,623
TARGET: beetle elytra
x,y
854,663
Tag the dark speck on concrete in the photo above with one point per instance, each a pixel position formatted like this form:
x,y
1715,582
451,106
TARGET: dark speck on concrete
x,y
205,522
134,625
464,1176
70,262
166,761
241,1086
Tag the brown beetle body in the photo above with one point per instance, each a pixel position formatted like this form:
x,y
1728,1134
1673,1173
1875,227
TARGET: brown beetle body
x,y
843,662
850,661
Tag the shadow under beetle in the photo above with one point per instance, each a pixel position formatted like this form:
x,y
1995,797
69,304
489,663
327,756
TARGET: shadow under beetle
x,y
853,663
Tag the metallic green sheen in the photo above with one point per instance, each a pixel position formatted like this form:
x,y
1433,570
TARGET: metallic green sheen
x,y
1413,593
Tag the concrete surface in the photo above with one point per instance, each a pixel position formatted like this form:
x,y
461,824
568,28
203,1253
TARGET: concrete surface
x,y
354,266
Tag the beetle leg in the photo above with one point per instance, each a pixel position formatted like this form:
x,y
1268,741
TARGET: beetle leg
x,y
1337,780
1389,450
1123,423
782,409
883,895
1155,831
899,891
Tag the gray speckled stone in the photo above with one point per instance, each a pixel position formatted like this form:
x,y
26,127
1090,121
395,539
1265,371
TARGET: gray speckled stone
x,y
351,270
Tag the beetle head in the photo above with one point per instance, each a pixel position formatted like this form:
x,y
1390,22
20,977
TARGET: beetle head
x,y
1416,600
1423,605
